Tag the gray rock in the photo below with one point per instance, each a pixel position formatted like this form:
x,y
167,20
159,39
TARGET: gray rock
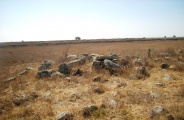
x,y
111,65
164,66
29,68
44,73
23,72
64,68
47,94
160,84
112,103
77,62
68,79
98,65
157,110
86,111
154,95
10,79
65,116
56,74
72,57
46,65
167,77
103,57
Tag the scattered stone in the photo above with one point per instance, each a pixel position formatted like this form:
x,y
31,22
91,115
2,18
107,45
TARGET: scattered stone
x,y
112,103
142,71
156,59
23,72
173,67
44,73
169,117
77,62
86,111
160,84
78,72
65,69
155,95
72,57
157,110
46,65
29,68
167,77
164,66
47,94
65,116
97,79
111,65
10,79
98,65
56,74
68,79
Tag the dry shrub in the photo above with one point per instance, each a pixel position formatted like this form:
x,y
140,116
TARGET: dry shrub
x,y
179,66
171,52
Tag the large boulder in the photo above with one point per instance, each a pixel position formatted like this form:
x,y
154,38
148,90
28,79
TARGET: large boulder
x,y
77,62
111,65
64,68
44,73
46,65
98,65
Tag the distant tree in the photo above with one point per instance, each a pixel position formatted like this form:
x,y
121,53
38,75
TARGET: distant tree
x,y
164,36
22,40
174,36
77,38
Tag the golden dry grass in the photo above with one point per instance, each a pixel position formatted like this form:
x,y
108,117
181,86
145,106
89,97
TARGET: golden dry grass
x,y
132,95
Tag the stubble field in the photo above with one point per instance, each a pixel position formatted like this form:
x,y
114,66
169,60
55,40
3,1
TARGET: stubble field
x,y
117,95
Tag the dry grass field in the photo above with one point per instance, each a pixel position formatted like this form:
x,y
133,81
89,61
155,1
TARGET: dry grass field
x,y
118,96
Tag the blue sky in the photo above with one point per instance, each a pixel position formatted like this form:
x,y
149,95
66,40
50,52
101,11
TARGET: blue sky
x,y
35,20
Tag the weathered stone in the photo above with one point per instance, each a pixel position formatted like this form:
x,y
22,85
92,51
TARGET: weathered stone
x,y
65,116
111,65
78,72
164,66
10,79
23,72
154,95
64,68
160,84
86,111
72,57
112,103
77,62
138,62
47,94
46,65
167,77
97,65
103,57
157,110
68,79
56,74
44,73
97,79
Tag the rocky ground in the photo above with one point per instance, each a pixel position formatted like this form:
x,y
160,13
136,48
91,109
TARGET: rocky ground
x,y
143,85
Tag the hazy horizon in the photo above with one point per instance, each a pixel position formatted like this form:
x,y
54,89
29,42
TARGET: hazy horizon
x,y
38,20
